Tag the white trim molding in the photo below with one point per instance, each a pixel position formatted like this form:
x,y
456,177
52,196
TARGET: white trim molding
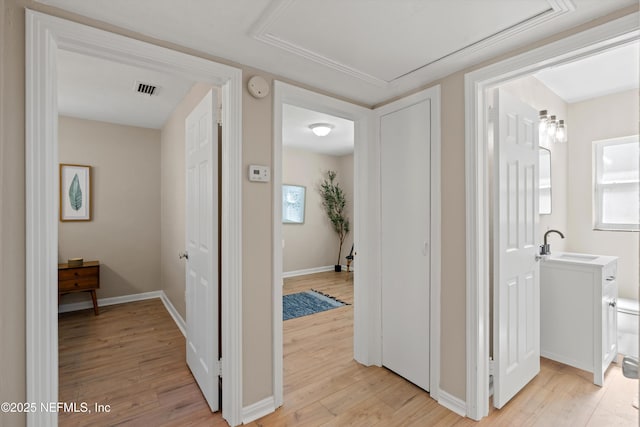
x,y
477,83
258,410
295,273
263,30
431,94
452,403
180,323
366,235
103,302
44,36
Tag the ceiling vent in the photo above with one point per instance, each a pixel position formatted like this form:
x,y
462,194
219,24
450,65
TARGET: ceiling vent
x,y
146,88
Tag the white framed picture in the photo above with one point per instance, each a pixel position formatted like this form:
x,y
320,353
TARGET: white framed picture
x,y
293,204
75,192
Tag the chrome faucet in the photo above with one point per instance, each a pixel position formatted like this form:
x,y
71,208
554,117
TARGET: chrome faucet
x,y
546,248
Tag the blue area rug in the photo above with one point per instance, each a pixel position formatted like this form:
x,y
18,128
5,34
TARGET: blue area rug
x,y
306,303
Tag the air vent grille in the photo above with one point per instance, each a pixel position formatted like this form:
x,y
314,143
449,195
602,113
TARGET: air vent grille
x,y
146,88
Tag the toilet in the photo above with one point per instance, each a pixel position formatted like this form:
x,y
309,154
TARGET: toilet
x,y
628,327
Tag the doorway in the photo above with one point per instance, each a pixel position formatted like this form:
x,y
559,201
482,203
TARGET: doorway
x,y
48,34
311,243
287,95
367,340
477,85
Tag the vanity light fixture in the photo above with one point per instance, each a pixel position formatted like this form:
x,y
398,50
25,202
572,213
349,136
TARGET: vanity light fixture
x,y
551,129
321,129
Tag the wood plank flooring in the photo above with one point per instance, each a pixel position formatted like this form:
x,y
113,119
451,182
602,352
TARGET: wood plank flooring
x,y
132,357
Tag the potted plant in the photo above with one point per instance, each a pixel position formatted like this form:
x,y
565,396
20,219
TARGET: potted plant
x,y
334,202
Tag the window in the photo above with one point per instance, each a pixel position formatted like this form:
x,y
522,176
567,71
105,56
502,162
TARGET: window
x,y
617,184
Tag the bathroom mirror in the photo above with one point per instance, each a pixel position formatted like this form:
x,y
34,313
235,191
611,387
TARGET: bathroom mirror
x,y
545,182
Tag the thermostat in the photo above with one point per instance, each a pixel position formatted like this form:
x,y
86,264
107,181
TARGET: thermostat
x,y
259,173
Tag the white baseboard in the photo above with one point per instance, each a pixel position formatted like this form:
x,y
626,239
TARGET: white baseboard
x,y
295,273
180,323
452,403
83,305
258,409
308,271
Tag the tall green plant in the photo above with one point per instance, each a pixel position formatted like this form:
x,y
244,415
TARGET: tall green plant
x,y
334,202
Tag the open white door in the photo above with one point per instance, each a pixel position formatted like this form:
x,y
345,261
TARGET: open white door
x,y
405,143
516,312
202,247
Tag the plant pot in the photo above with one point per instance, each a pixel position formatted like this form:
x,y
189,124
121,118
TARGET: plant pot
x,y
338,268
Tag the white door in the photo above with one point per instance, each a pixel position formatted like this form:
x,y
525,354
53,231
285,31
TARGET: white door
x,y
516,314
405,195
202,247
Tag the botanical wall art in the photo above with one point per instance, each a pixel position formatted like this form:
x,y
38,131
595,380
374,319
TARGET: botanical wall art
x,y
75,193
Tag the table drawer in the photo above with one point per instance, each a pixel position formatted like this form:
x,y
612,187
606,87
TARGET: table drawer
x,y
78,279
77,273
85,283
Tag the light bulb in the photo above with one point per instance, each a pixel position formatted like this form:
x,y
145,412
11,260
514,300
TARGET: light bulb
x,y
543,121
551,126
561,132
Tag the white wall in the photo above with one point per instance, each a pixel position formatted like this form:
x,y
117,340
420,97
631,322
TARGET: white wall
x,y
314,243
595,119
124,233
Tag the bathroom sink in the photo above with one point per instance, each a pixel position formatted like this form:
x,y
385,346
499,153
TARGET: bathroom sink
x,y
577,257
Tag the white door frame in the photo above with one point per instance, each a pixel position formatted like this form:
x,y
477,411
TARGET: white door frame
x,y
367,338
44,36
366,217
571,48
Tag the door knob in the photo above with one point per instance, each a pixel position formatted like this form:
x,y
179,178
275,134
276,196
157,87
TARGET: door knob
x,y
184,254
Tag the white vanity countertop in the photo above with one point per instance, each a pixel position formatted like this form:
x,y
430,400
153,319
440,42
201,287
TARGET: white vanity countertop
x,y
579,259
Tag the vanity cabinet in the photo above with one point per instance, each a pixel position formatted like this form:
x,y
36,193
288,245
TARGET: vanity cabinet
x,y
578,316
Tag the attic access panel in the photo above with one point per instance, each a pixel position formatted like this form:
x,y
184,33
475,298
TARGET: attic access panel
x,y
405,36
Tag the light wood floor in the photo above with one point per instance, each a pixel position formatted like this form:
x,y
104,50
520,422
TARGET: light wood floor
x,y
132,357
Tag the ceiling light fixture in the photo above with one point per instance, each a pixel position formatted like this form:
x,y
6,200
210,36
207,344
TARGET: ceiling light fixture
x,y
321,129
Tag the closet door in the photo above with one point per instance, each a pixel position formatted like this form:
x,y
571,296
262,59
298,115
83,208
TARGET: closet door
x,y
405,187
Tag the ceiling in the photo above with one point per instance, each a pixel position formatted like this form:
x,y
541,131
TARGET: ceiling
x,y
365,50
96,89
603,74
297,134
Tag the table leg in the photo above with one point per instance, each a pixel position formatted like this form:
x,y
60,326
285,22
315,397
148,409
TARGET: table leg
x,y
95,302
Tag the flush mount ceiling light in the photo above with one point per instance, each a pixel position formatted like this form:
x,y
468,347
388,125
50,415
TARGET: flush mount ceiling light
x,y
321,129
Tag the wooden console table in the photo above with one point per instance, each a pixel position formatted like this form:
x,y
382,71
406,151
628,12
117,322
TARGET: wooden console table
x,y
85,278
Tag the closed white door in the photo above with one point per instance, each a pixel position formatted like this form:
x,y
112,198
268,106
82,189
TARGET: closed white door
x,y
202,247
516,314
405,195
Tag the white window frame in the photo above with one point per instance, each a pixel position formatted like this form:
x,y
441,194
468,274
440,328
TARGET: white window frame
x,y
598,186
